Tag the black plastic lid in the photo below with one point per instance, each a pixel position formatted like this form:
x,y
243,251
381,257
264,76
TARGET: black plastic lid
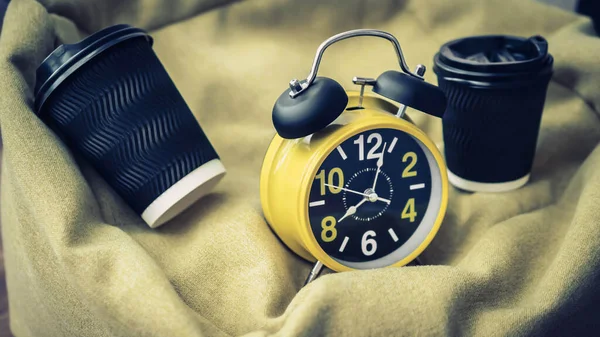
x,y
494,60
67,58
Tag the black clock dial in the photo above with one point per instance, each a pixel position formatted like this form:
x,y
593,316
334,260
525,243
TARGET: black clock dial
x,y
370,195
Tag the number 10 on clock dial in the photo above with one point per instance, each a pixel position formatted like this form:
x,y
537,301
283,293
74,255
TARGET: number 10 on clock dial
x,y
375,199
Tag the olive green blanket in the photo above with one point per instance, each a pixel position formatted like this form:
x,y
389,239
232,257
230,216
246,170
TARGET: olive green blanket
x,y
79,262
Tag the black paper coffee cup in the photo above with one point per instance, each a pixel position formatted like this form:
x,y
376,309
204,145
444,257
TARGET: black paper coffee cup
x,y
496,88
112,101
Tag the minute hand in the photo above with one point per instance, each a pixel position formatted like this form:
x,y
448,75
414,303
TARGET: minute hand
x,y
356,192
379,165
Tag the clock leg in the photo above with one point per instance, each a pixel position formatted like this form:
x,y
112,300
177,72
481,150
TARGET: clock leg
x,y
316,269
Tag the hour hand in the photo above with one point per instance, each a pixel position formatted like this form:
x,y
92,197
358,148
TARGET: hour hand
x,y
352,210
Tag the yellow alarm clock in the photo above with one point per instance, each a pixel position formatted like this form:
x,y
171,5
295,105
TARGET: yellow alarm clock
x,y
349,181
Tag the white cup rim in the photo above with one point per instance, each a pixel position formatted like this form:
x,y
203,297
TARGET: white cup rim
x,y
477,186
184,193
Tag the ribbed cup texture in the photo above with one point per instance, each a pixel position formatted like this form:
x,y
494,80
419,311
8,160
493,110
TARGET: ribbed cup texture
x,y
122,112
490,135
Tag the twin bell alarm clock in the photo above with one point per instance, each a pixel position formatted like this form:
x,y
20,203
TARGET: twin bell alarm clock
x,y
349,181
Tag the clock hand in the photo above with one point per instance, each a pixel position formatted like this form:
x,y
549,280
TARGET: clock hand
x,y
347,190
352,209
379,165
355,192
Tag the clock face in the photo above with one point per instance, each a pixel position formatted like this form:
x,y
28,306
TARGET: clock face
x,y
375,198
